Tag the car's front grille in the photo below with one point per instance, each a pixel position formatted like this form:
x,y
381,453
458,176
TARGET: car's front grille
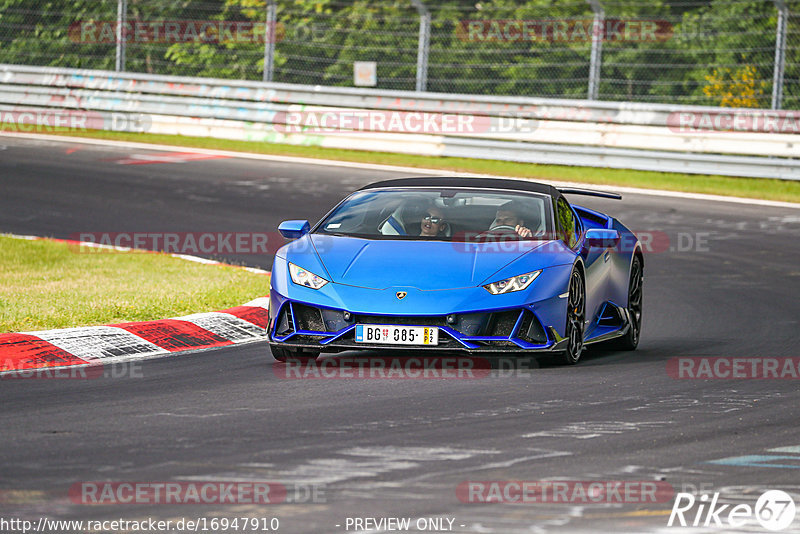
x,y
303,317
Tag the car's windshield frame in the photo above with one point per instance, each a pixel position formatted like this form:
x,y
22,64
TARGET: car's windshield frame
x,y
445,192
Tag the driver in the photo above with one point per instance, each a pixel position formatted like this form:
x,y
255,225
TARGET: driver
x,y
432,223
510,214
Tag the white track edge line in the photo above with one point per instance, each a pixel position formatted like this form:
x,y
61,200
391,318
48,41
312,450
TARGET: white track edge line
x,y
396,168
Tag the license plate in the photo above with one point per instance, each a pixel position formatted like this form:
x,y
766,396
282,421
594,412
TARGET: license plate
x,y
397,335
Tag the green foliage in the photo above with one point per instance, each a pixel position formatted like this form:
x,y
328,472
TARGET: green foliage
x,y
38,33
701,45
723,37
739,88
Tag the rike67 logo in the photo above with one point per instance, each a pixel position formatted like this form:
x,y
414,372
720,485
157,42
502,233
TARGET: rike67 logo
x,y
774,510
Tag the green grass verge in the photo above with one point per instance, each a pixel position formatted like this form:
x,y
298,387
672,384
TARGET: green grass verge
x,y
44,284
783,190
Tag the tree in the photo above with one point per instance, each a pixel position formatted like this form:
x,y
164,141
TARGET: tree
x,y
44,33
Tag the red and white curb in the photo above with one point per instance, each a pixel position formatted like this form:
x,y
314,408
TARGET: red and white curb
x,y
93,345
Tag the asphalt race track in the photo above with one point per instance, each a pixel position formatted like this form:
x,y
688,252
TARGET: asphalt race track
x,y
724,280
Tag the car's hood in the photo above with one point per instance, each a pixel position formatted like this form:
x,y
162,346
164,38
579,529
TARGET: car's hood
x,y
425,265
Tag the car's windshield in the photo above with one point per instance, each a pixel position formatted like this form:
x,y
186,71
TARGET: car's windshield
x,y
448,214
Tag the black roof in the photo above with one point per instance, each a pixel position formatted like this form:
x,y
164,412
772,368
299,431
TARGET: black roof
x,y
463,181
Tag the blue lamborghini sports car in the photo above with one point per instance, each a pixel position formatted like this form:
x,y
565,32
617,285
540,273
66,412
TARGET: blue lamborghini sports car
x,y
457,264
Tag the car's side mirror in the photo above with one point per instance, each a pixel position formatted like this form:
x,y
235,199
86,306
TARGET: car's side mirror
x,y
602,237
294,229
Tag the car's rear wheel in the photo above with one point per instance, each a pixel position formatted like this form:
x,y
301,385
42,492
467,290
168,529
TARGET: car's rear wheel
x,y
576,312
300,355
631,339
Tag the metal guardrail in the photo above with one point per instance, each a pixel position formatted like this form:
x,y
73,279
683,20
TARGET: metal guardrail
x,y
564,132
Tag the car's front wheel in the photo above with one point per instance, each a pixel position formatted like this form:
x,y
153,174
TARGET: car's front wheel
x,y
576,312
300,355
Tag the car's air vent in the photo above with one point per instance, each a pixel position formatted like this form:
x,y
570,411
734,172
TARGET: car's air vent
x,y
308,318
610,316
502,323
285,322
589,215
531,330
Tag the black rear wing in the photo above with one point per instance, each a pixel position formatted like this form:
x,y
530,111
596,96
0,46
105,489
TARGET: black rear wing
x,y
589,193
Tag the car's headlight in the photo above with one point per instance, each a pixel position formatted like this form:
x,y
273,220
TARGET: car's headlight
x,y
509,285
302,277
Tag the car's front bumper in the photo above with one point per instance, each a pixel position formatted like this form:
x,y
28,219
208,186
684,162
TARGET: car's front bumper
x,y
295,324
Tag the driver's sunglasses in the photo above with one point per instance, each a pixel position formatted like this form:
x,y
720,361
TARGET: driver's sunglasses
x,y
434,220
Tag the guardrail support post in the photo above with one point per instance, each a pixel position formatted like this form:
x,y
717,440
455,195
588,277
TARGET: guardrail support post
x,y
780,54
269,40
596,58
122,16
424,44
